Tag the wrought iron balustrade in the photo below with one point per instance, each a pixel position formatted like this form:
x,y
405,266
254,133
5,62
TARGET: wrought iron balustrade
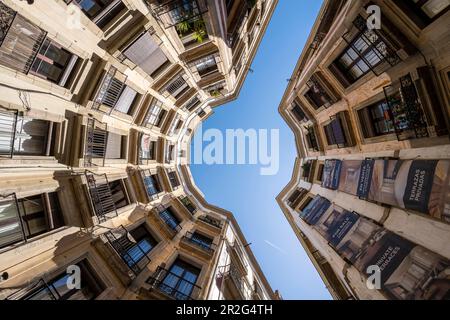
x,y
192,238
173,285
211,221
101,196
128,249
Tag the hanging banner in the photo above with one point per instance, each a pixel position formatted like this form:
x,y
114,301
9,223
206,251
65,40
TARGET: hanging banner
x,y
331,174
315,210
349,176
419,185
365,179
346,231
407,271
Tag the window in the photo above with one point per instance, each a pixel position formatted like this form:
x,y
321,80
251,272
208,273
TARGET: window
x,y
114,94
296,197
155,114
119,193
424,12
335,132
376,120
151,183
53,63
32,137
370,50
298,112
351,62
25,48
101,12
311,138
201,240
147,148
192,104
319,93
173,178
115,146
145,53
144,243
106,196
170,153
206,65
188,204
31,217
57,289
180,280
21,43
177,87
170,219
175,126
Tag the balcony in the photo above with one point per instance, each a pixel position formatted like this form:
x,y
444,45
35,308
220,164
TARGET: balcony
x,y
235,282
126,247
168,285
167,220
96,141
212,224
175,12
199,244
101,196
406,111
188,205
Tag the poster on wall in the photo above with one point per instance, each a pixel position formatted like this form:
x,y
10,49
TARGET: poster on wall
x,y
331,174
347,232
407,271
350,175
312,213
419,185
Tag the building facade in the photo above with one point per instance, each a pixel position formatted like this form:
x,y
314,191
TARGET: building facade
x,y
369,107
98,102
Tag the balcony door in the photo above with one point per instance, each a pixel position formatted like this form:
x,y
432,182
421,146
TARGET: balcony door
x,y
181,279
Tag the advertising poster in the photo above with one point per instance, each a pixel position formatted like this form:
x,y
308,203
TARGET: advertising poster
x,y
407,271
419,185
349,176
315,210
347,232
331,174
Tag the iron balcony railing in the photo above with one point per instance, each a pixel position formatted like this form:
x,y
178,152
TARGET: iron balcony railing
x,y
192,238
168,218
101,196
406,110
174,12
191,104
239,280
39,287
211,221
127,248
312,138
173,285
109,91
96,141
374,39
188,204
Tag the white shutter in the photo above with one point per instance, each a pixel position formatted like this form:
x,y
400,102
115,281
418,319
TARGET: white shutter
x,y
125,100
145,53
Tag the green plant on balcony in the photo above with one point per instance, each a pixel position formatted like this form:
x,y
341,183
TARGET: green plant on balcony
x,y
215,93
199,31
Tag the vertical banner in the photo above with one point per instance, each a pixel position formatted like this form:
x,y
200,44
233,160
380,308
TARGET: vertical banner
x,y
315,210
408,271
331,174
418,185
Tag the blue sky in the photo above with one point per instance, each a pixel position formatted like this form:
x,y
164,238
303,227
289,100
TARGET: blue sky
x,y
240,188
